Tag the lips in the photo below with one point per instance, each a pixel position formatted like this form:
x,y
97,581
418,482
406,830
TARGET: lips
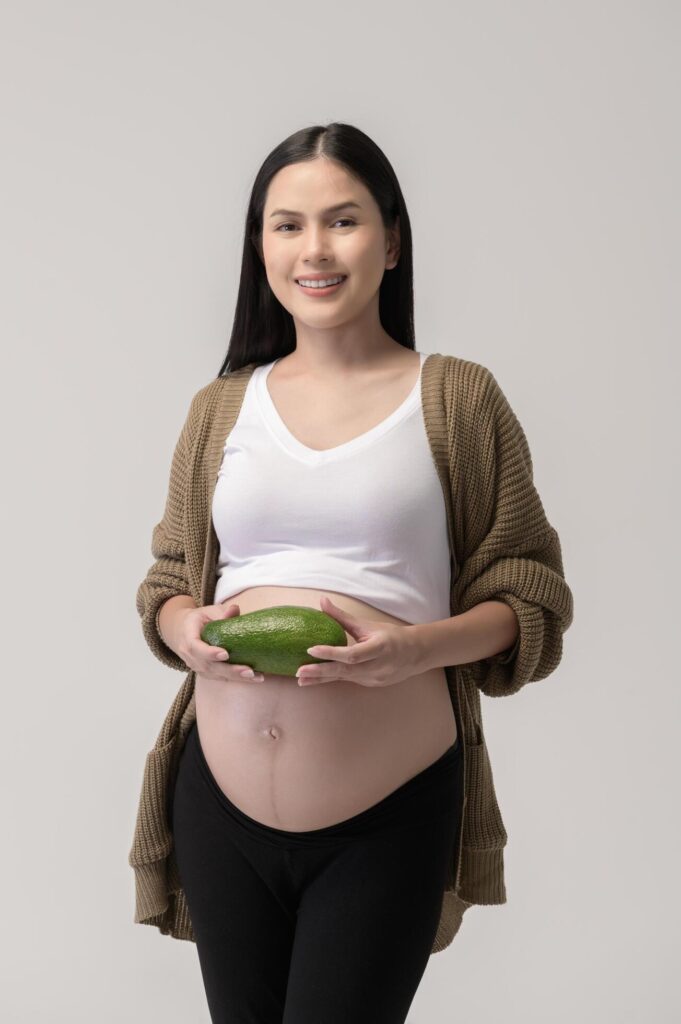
x,y
315,290
319,277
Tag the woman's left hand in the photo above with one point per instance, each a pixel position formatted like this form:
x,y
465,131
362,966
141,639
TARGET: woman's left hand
x,y
384,653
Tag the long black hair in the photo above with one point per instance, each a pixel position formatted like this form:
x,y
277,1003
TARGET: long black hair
x,y
263,329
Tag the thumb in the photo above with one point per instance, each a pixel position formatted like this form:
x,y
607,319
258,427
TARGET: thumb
x,y
350,623
213,612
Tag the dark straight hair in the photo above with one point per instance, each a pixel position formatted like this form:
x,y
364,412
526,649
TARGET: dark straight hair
x,y
263,329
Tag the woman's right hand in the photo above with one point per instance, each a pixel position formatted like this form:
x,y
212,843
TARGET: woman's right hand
x,y
202,657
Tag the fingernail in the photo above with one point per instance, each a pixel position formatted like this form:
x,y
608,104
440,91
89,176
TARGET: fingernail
x,y
248,673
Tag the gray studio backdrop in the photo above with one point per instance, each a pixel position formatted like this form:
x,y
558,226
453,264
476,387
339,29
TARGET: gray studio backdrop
x,y
537,145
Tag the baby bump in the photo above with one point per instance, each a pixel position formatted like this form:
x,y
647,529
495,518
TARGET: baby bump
x,y
299,758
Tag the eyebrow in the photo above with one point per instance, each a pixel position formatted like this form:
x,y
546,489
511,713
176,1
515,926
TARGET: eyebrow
x,y
330,209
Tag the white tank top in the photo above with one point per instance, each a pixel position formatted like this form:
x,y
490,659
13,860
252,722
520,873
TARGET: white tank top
x,y
366,518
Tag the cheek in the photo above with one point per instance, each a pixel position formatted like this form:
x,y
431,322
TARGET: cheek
x,y
277,260
277,276
368,280
369,263
283,292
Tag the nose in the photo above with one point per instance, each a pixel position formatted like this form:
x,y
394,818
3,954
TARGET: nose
x,y
316,247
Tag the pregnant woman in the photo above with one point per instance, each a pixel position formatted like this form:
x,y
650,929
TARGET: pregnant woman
x,y
307,833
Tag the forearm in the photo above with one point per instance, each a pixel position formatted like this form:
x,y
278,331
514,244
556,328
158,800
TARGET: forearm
x,y
489,628
167,613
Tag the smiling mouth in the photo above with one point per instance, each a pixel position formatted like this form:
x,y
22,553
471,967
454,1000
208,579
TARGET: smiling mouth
x,y
314,288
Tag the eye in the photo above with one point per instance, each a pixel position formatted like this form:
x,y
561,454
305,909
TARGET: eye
x,y
341,220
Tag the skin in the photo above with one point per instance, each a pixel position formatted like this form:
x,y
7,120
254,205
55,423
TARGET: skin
x,y
340,336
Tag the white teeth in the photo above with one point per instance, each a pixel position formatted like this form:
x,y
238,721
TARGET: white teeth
x,y
319,284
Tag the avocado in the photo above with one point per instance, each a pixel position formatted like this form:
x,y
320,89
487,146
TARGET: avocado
x,y
275,639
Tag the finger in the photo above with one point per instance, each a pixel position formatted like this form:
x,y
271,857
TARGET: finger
x,y
210,651
351,655
337,612
323,680
356,628
246,672
305,680
330,653
349,623
323,672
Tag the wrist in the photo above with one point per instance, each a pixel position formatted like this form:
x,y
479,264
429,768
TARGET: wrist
x,y
422,658
484,631
169,614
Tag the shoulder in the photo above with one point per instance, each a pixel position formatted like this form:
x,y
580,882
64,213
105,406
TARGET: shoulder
x,y
208,393
206,398
471,388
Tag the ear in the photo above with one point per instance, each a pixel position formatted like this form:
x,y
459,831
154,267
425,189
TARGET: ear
x,y
393,250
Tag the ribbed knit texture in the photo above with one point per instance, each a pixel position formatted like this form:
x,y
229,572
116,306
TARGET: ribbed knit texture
x,y
502,547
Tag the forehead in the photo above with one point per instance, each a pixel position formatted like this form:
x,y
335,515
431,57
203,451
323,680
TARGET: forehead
x,y
314,185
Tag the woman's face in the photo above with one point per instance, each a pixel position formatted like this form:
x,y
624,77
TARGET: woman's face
x,y
309,238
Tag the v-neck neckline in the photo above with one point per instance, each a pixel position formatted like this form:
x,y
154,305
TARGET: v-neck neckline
x,y
314,456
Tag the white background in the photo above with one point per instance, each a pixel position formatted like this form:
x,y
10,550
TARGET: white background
x,y
537,147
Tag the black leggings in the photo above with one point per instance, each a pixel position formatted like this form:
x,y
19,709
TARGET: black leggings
x,y
326,926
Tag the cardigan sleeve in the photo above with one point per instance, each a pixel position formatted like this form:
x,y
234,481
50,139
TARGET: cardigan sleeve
x,y
514,553
167,576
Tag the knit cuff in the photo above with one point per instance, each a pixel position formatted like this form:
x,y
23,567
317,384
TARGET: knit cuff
x,y
149,602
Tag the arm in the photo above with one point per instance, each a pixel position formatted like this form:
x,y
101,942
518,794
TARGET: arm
x,y
490,628
512,556
166,617
167,576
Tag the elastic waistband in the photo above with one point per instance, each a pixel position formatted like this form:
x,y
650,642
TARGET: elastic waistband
x,y
424,796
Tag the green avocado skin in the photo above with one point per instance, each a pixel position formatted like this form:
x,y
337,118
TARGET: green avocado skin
x,y
275,640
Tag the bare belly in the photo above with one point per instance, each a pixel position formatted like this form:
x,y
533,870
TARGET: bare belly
x,y
301,758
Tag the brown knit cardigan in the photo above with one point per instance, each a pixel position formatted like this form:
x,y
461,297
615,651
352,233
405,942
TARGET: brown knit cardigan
x,y
502,547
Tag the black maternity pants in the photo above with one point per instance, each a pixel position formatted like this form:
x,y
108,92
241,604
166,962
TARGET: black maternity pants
x,y
329,926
